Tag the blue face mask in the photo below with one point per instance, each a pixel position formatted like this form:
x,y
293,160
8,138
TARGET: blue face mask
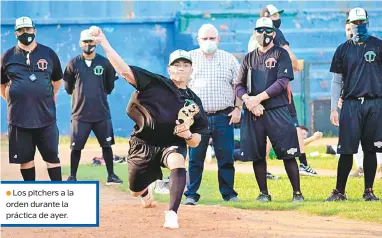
x,y
360,33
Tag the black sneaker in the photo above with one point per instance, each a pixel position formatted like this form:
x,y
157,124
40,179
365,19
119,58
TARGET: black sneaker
x,y
113,179
264,198
272,177
297,197
330,150
336,196
72,178
369,195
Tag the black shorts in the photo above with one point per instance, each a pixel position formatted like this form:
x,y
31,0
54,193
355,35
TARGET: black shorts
x,y
23,142
277,125
360,120
145,162
80,132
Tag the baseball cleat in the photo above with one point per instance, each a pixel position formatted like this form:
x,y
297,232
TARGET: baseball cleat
x,y
148,200
171,220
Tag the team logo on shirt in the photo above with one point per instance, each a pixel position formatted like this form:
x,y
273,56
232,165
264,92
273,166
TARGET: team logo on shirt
x,y
370,56
42,64
98,70
270,63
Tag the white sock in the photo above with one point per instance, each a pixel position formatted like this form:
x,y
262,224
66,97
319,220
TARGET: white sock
x,y
379,159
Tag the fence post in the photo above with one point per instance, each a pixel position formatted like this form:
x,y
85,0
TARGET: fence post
x,y
305,93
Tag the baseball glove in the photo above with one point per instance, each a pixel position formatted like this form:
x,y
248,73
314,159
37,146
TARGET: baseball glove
x,y
186,117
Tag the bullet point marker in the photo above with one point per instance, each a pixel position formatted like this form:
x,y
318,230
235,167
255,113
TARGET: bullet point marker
x,y
8,193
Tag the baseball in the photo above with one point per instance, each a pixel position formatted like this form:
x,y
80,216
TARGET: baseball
x,y
94,30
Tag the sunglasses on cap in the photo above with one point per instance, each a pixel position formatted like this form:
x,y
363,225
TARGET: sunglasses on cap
x,y
267,30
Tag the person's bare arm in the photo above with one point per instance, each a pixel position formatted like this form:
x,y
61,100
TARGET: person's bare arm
x,y
56,86
194,141
317,135
115,59
3,91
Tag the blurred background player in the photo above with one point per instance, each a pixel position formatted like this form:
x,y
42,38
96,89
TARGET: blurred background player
x,y
89,78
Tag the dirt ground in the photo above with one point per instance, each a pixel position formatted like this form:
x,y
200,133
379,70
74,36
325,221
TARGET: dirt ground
x,y
122,216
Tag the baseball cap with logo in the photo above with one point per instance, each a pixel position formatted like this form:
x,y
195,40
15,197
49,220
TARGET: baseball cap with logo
x,y
270,10
179,54
85,35
264,22
22,22
357,14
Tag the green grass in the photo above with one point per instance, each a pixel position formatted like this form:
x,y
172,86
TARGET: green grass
x,y
323,161
315,191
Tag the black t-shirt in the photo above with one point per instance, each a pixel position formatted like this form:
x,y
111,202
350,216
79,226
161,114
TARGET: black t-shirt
x,y
30,94
163,100
361,68
266,68
280,38
89,87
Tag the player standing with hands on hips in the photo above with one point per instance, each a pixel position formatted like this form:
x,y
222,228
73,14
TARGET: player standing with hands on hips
x,y
30,79
168,116
359,62
262,85
89,78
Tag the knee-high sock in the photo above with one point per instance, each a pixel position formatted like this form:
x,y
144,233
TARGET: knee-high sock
x,y
177,184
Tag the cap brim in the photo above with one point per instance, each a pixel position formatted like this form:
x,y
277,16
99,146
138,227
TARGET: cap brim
x,y
180,58
87,38
23,26
281,11
360,19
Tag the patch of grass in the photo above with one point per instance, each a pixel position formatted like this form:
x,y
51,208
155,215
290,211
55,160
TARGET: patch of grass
x,y
315,190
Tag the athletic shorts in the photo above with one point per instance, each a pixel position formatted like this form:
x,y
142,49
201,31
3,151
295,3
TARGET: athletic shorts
x,y
360,120
145,162
278,126
80,131
23,143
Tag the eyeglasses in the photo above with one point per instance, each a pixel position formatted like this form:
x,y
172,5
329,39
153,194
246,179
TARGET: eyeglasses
x,y
208,38
267,30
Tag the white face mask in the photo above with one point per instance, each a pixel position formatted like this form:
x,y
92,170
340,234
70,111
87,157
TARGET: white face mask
x,y
208,46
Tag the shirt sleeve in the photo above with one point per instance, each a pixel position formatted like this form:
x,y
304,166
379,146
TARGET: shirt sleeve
x,y
111,76
235,67
57,70
284,65
241,82
4,77
336,89
69,78
280,39
336,65
143,78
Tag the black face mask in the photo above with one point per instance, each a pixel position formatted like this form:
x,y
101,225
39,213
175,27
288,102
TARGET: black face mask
x,y
264,39
26,38
277,23
88,49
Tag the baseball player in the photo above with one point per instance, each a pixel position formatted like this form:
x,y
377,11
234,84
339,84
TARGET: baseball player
x,y
89,78
30,79
168,116
263,80
274,14
358,62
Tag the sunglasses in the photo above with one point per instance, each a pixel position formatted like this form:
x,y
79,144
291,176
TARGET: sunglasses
x,y
88,41
267,30
208,38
